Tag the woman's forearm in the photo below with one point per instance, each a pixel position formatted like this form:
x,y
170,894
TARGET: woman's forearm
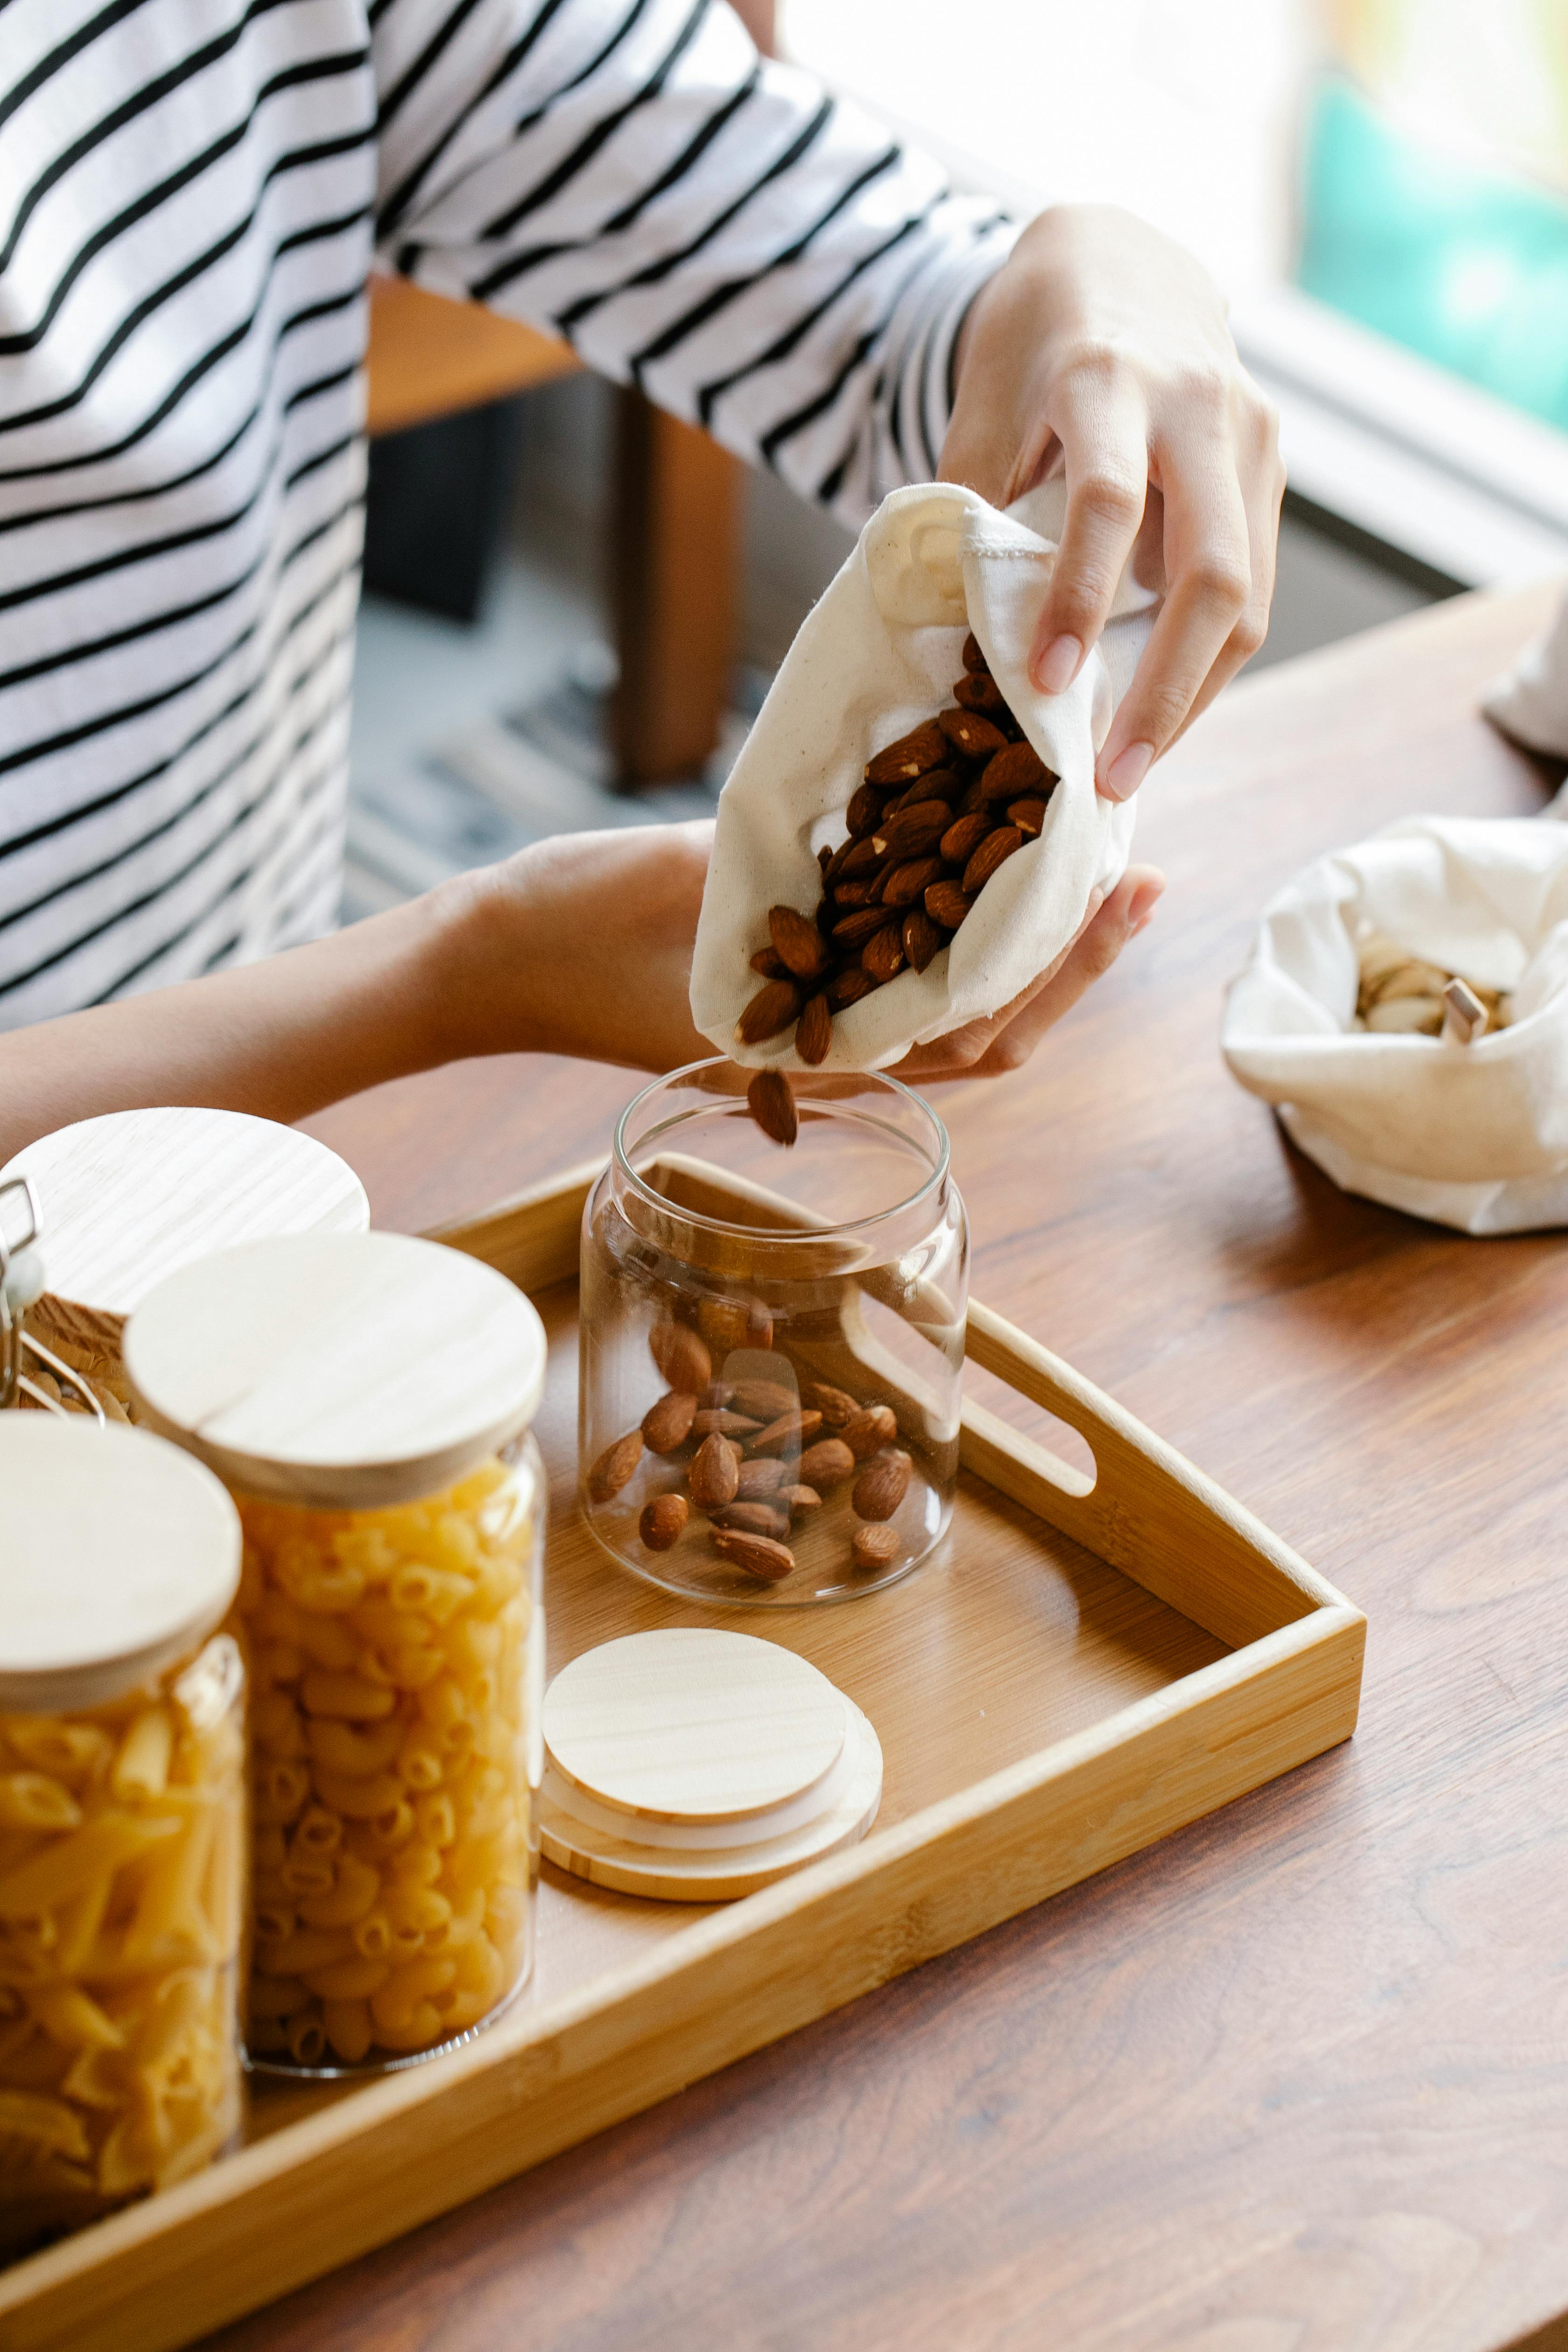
x,y
280,1038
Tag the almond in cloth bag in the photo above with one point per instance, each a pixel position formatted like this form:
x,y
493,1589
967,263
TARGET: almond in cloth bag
x,y
876,655
1473,1136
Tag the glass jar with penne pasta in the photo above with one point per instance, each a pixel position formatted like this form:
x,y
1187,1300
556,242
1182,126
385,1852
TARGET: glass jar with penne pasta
x,y
122,1828
367,1400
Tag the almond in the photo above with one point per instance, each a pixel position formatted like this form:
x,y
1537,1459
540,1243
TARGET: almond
x,y
668,1424
849,896
975,798
906,885
769,964
1028,816
978,690
754,1518
941,784
924,747
756,1556
883,957
1015,771
714,1474
800,1498
913,831
663,1520
764,1399
826,1463
854,932
876,1547
772,1008
977,737
946,905
716,1394
972,658
770,1097
859,858
615,1467
865,805
798,942
847,988
727,1323
964,837
882,1486
823,859
924,940
993,851
680,1356
759,1478
723,1424
787,1434
814,1031
836,1405
869,1432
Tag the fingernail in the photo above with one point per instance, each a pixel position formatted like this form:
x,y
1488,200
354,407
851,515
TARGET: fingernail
x,y
1145,898
1127,772
1057,665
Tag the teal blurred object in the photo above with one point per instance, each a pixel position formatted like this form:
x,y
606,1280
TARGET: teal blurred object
x,y
1467,266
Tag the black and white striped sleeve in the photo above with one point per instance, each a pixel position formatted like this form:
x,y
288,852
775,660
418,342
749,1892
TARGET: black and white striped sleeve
x,y
761,256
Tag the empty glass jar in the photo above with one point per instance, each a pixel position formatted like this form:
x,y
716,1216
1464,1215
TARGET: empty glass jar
x,y
772,1340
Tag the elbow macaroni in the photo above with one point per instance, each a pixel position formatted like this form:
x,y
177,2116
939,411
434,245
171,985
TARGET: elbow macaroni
x,y
122,1910
394,1843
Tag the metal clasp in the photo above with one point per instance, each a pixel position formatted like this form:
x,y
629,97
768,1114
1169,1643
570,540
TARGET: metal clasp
x,y
21,1285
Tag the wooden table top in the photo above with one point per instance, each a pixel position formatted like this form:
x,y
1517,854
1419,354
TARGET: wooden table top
x,y
1297,2079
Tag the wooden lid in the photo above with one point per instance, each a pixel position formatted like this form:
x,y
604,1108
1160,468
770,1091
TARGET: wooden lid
x,y
692,1724
128,1198
118,1554
347,1371
716,1875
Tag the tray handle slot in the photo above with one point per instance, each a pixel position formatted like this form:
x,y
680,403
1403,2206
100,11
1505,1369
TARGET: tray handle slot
x,y
1150,1513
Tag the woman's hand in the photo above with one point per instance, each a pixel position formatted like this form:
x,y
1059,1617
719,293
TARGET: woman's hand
x,y
1100,350
582,946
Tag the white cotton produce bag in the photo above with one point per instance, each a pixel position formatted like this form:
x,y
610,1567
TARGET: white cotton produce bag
x,y
1472,1136
878,654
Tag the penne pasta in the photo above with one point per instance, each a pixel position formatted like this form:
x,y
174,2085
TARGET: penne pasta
x,y
120,1919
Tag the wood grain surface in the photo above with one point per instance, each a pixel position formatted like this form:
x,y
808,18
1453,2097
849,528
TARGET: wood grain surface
x,y
1297,2079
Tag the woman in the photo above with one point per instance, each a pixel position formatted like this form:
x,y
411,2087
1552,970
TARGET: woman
x,y
189,204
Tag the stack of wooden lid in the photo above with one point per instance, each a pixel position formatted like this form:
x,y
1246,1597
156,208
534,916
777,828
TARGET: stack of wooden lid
x,y
696,1766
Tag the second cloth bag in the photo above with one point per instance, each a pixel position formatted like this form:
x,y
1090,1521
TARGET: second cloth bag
x,y
876,656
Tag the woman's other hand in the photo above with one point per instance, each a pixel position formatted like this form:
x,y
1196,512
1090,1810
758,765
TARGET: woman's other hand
x,y
1100,350
582,946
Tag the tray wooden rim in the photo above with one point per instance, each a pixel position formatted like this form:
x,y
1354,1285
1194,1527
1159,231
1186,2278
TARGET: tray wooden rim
x,y
319,2191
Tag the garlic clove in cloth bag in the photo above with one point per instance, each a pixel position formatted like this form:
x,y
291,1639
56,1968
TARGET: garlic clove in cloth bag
x,y
875,658
1471,1135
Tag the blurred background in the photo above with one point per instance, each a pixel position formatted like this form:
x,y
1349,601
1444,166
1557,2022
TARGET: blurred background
x,y
574,605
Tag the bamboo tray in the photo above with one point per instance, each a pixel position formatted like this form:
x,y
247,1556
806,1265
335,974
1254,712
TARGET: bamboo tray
x,y
1085,1666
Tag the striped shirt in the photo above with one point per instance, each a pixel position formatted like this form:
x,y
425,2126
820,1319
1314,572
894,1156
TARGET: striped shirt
x,y
191,193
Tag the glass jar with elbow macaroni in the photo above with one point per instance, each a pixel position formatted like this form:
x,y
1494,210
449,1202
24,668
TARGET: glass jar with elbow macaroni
x,y
366,1398
123,1797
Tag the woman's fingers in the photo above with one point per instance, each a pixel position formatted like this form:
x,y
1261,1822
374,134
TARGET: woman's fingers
x,y
1209,602
1100,420
988,1048
1265,495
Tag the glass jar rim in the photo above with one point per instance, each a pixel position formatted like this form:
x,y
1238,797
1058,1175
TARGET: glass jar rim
x,y
932,1182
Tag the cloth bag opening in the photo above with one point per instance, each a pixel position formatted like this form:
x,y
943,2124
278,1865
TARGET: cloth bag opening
x,y
1470,1136
876,655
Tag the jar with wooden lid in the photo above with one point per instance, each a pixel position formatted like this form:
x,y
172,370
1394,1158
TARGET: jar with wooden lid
x,y
123,1828
366,1398
133,1196
772,1341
